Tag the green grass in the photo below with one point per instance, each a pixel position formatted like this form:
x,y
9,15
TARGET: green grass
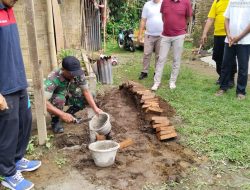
x,y
214,126
112,48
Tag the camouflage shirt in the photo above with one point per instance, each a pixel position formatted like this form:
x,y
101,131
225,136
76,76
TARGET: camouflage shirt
x,y
57,85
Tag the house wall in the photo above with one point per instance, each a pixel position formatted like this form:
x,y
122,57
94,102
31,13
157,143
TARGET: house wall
x,y
71,19
42,39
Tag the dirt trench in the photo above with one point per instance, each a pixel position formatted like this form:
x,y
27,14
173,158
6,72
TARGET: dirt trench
x,y
148,161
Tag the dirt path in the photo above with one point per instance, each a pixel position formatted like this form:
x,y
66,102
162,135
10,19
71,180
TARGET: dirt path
x,y
148,161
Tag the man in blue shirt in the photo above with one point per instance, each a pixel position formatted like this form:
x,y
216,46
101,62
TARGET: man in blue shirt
x,y
15,111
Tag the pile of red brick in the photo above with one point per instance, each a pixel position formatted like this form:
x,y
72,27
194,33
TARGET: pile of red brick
x,y
149,104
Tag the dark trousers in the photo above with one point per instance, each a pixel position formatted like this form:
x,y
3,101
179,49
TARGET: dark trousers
x,y
242,52
218,52
15,128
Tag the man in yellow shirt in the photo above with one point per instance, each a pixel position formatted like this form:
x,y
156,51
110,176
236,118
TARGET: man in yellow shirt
x,y
216,17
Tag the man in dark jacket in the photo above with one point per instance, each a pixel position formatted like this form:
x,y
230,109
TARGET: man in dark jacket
x,y
15,111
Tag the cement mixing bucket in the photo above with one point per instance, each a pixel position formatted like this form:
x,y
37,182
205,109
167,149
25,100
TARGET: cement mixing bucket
x,y
100,124
104,152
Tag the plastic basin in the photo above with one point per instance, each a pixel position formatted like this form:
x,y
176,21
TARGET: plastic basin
x,y
100,124
104,152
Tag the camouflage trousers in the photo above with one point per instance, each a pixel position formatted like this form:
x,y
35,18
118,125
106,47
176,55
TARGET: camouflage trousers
x,y
75,99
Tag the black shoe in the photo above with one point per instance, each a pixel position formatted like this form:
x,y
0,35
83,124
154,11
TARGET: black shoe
x,y
231,84
143,75
72,110
57,125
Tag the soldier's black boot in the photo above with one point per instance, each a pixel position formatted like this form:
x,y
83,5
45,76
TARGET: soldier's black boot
x,y
56,125
72,110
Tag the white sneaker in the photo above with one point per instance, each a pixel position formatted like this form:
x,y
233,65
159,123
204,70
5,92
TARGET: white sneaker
x,y
155,87
172,85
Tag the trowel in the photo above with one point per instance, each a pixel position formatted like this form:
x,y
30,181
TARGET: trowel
x,y
81,120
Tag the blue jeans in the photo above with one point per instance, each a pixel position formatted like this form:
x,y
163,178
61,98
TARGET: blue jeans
x,y
242,52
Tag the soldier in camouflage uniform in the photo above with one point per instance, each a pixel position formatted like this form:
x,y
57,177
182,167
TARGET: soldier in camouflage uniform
x,y
67,86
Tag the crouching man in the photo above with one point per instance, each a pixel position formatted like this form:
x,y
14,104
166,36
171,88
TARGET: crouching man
x,y
67,86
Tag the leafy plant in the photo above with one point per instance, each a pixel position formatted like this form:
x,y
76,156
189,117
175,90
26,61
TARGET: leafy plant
x,y
124,15
64,53
48,143
60,162
31,146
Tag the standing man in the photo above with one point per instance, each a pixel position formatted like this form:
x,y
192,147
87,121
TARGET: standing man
x,y
237,25
15,111
216,17
67,86
175,15
151,18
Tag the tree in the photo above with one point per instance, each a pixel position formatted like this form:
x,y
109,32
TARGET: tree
x,y
124,14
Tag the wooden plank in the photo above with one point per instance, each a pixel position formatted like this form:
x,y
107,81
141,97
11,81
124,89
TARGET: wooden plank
x,y
150,100
132,83
91,74
58,26
100,137
51,35
148,116
148,97
143,92
135,89
160,120
153,104
160,125
166,132
168,136
154,109
104,24
165,128
37,72
126,143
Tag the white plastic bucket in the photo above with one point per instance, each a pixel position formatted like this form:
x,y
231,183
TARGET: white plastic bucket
x,y
100,124
104,152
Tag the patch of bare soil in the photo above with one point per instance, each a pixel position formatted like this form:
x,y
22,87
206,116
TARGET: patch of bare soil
x,y
201,67
147,161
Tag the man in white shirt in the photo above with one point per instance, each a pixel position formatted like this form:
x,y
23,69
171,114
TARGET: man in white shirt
x,y
237,25
151,19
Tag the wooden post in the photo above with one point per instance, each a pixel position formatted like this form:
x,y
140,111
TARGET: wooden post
x,y
58,26
51,35
104,25
84,29
37,73
190,26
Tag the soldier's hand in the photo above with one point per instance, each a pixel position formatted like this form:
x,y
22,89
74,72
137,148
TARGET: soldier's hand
x,y
66,117
3,103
